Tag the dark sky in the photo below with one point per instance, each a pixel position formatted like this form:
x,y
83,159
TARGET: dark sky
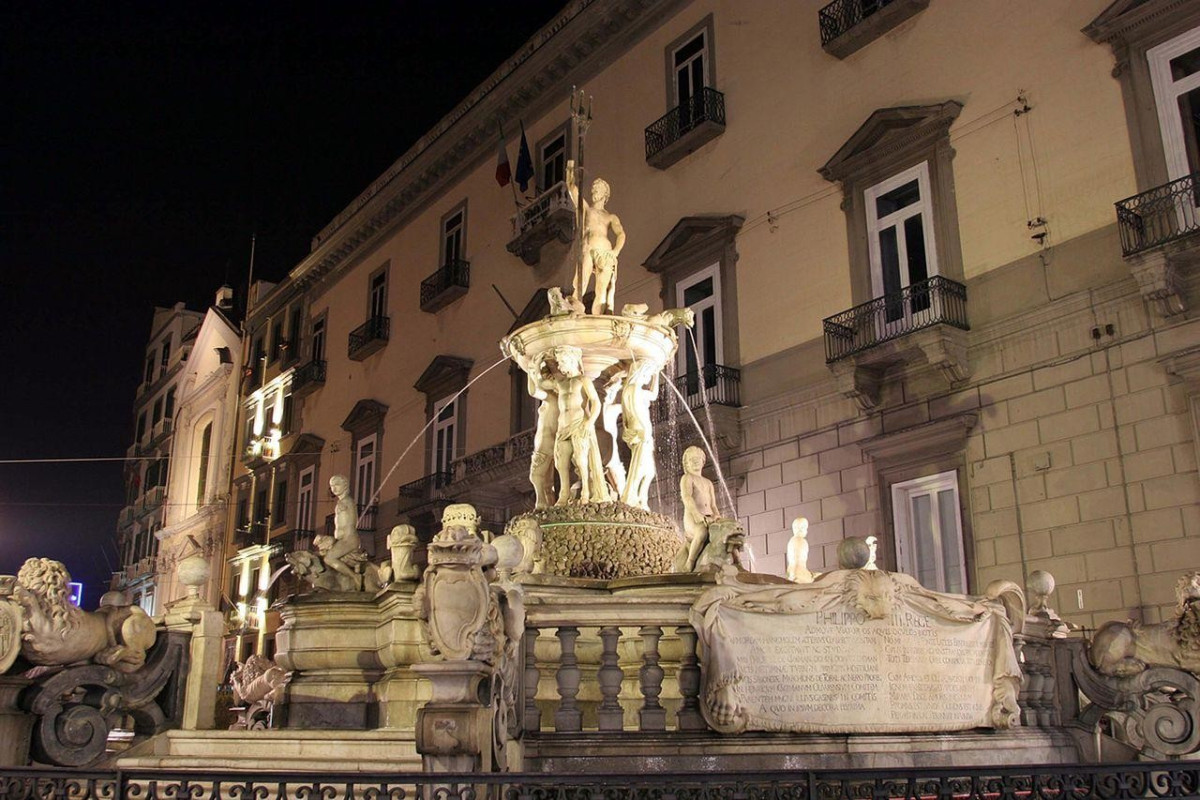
x,y
143,144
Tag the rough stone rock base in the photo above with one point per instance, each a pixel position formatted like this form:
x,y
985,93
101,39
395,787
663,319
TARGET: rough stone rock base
x,y
605,540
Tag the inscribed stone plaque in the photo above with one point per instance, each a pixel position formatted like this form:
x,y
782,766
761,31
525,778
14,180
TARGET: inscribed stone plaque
x,y
856,651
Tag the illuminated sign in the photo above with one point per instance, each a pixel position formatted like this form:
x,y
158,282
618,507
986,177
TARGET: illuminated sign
x,y
76,596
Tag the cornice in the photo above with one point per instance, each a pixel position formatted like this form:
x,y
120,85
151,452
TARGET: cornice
x,y
887,132
930,438
569,49
1124,21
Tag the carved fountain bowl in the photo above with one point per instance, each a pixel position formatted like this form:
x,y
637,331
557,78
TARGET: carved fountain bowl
x,y
604,540
605,340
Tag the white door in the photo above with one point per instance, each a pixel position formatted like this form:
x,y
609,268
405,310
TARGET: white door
x,y
902,249
445,435
928,524
304,499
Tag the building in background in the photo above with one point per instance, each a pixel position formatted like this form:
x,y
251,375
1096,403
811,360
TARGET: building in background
x,y
201,456
147,470
920,315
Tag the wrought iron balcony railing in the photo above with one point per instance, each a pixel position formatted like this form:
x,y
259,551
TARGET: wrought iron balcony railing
x,y
298,539
685,127
718,384
446,285
369,337
423,489
550,215
367,517
308,377
1161,215
934,301
841,15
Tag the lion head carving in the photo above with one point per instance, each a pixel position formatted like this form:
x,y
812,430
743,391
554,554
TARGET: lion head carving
x,y
44,583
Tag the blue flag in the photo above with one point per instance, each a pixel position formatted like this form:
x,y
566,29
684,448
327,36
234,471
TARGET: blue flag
x,y
524,162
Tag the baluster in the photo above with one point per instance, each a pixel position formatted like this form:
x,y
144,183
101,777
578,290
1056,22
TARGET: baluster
x,y
652,717
568,717
533,715
609,714
688,718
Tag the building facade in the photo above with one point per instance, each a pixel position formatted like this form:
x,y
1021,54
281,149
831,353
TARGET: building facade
x,y
942,258
147,468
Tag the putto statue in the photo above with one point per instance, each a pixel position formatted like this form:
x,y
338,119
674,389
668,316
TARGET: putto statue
x,y
340,564
797,552
599,252
700,509
55,633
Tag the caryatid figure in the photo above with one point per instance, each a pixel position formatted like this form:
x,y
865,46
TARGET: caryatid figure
x,y
613,469
599,252
541,462
797,552
641,389
575,439
345,528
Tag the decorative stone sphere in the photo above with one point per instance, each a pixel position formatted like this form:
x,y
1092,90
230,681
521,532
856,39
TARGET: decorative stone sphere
x,y
1041,583
193,572
853,553
509,552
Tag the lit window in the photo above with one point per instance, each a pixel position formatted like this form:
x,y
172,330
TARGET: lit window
x,y
445,435
928,525
703,347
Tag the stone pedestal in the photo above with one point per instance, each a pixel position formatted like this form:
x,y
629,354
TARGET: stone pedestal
x,y
15,725
400,693
328,642
207,628
454,729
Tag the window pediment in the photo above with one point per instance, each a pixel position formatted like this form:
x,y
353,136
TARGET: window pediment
x,y
365,414
693,237
890,134
445,374
1131,20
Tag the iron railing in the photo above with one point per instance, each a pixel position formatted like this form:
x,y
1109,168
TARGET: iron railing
x,y
841,15
366,517
1162,780
298,539
1159,216
454,277
373,331
539,208
718,384
483,460
933,301
308,377
706,106
422,488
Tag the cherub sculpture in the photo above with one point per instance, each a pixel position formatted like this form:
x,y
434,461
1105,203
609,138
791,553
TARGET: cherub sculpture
x,y
797,552
699,498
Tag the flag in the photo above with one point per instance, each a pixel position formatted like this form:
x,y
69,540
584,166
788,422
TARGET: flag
x,y
503,171
524,162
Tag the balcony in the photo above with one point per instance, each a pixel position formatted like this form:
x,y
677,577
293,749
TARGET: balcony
x,y
683,129
422,490
718,385
1155,228
925,320
297,539
849,25
549,216
160,431
125,518
446,285
367,518
308,378
368,338
153,499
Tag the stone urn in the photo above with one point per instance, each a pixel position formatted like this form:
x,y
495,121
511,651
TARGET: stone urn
x,y
193,572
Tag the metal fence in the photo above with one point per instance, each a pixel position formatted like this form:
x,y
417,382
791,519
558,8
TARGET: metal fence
x,y
453,275
842,15
376,329
1167,781
1159,216
933,301
706,106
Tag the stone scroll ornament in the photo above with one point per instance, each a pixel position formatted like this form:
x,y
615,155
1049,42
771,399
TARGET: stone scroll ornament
x,y
857,651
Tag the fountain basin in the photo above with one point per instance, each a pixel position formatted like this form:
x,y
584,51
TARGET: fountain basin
x,y
604,540
605,340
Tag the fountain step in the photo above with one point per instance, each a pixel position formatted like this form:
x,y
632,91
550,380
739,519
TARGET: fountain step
x,y
295,750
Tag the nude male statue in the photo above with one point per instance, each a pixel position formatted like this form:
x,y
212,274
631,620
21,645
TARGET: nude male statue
x,y
541,462
699,498
599,252
578,408
345,528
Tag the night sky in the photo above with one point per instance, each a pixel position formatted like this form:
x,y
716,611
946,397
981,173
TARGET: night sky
x,y
143,144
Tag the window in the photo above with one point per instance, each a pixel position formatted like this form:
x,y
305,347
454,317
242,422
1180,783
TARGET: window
x,y
285,421
454,230
318,339
1175,76
304,499
899,238
279,508
377,301
689,62
169,409
276,340
261,509
703,345
148,376
141,427
291,345
364,470
243,514
162,471
202,466
158,411
258,355
552,159
928,526
445,435
165,354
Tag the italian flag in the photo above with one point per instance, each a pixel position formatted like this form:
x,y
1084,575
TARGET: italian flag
x,y
503,171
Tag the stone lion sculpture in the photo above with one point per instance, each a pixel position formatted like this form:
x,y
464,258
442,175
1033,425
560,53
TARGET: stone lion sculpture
x,y
1124,649
56,633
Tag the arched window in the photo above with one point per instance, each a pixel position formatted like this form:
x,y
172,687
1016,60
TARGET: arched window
x,y
202,470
